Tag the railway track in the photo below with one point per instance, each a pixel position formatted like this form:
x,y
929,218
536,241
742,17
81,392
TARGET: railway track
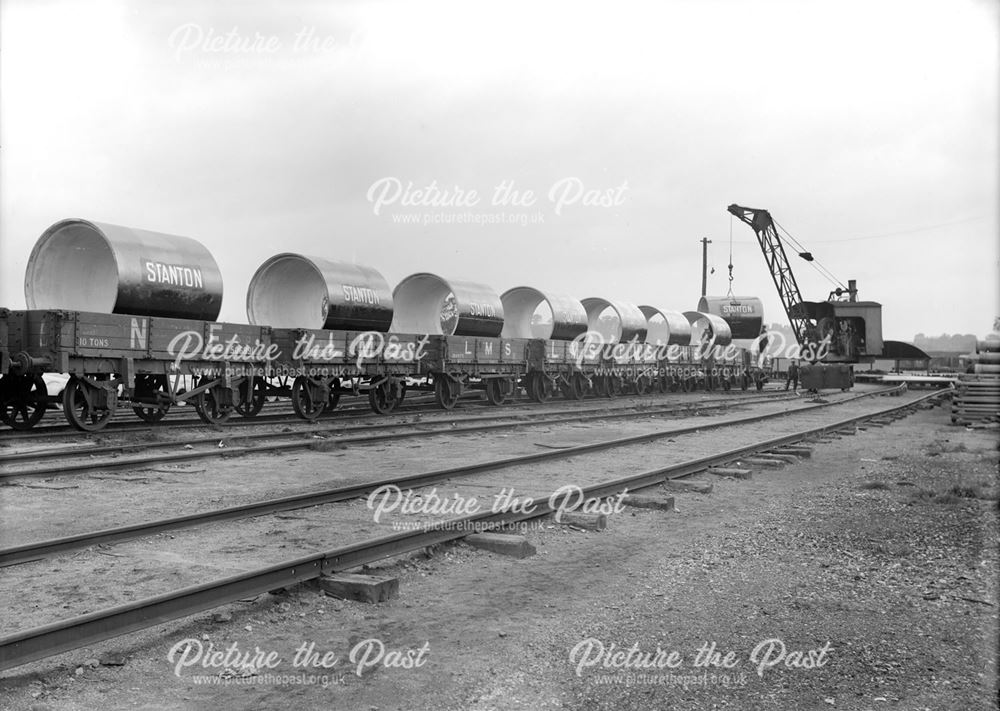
x,y
124,421
21,554
256,442
40,642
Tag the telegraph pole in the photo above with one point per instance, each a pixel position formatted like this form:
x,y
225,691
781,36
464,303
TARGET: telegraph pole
x,y
705,241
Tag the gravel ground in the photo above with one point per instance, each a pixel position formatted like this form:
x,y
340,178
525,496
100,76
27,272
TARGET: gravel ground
x,y
99,577
40,508
878,555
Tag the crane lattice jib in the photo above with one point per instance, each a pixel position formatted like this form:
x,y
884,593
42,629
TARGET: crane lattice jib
x,y
781,271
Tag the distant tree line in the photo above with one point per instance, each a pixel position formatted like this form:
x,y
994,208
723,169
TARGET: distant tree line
x,y
957,343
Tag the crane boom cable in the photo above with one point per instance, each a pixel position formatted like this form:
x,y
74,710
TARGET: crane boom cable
x,y
815,263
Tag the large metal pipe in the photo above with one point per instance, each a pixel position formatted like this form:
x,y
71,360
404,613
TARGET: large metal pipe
x,y
983,357
744,314
428,304
81,265
706,326
300,291
627,323
986,369
529,313
666,328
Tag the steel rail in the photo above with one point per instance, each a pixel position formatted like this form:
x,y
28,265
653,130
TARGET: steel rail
x,y
35,551
415,404
118,423
516,420
327,429
349,412
54,638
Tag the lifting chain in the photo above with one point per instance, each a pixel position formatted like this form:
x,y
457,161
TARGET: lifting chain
x,y
730,292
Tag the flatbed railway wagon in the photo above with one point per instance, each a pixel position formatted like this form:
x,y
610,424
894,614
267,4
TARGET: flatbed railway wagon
x,y
315,367
23,397
4,356
148,363
589,366
498,366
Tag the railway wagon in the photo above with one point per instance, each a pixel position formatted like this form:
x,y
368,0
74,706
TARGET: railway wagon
x,y
568,367
495,365
148,362
589,365
321,365
23,396
4,355
628,368
314,367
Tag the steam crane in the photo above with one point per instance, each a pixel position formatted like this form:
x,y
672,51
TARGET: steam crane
x,y
840,329
781,271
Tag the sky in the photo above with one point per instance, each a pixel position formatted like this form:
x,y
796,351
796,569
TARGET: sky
x,y
359,131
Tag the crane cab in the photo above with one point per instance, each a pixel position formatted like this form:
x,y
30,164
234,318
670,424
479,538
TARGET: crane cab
x,y
851,329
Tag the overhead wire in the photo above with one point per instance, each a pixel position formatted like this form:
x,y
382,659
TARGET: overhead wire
x,y
911,230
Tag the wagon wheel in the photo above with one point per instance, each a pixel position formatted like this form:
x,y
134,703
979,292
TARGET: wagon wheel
x,y
540,387
147,385
531,386
687,384
642,385
500,391
545,388
86,407
384,397
209,405
23,399
446,392
574,388
253,395
309,398
334,399
494,393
